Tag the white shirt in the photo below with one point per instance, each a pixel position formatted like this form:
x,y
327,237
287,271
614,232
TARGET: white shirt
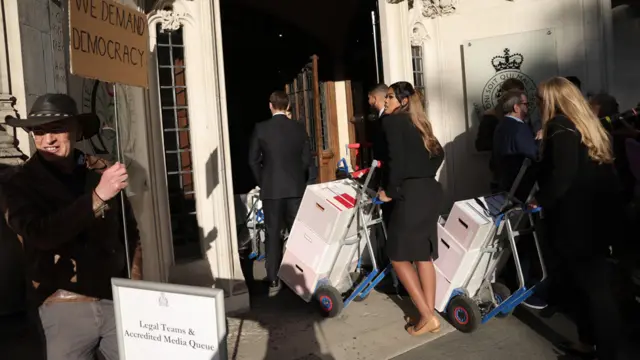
x,y
381,112
279,113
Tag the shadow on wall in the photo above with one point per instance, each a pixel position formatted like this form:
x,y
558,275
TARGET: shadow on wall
x,y
213,172
626,32
466,172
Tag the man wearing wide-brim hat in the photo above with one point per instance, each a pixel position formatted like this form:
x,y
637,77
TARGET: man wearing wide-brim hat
x,y
65,206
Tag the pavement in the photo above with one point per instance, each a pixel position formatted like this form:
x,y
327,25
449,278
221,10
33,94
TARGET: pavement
x,y
524,336
287,328
500,339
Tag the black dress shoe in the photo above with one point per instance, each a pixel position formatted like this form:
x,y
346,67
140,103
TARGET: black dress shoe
x,y
581,351
274,288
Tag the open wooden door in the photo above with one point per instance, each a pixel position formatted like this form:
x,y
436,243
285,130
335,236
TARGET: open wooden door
x,y
313,103
360,125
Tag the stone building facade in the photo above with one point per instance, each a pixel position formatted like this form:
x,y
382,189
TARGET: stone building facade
x,y
428,42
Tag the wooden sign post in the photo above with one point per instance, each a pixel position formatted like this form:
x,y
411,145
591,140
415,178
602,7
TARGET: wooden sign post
x,y
109,42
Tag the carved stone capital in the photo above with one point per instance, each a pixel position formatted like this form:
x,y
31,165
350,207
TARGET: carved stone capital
x,y
9,153
7,101
432,8
170,20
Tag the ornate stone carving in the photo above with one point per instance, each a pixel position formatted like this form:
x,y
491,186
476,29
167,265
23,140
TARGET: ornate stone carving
x,y
9,153
419,34
7,101
433,8
170,20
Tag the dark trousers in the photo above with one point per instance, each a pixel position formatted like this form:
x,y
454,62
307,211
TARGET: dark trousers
x,y
278,215
587,294
22,337
529,260
387,208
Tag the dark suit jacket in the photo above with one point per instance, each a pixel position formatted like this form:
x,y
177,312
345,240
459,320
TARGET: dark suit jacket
x,y
13,278
407,156
67,247
579,196
280,156
513,142
380,148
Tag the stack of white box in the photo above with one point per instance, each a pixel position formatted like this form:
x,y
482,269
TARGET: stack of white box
x,y
460,239
316,237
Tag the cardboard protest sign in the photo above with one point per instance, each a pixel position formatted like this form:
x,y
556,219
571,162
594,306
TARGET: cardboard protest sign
x,y
109,42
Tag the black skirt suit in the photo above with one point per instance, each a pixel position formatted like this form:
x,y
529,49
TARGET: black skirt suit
x,y
416,195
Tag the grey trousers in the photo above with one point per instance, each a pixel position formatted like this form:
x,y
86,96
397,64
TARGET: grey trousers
x,y
78,330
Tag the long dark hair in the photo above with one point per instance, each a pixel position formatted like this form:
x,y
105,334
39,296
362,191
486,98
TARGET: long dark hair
x,y
404,90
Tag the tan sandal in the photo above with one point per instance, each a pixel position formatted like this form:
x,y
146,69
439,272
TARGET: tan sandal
x,y
432,326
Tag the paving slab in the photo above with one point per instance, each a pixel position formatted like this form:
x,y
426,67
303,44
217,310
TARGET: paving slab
x,y
499,339
286,327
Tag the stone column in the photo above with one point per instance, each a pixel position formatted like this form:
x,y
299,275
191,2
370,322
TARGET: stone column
x,y
9,153
200,21
223,256
395,40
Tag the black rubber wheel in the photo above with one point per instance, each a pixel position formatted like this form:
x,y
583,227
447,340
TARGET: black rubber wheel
x,y
501,293
464,314
329,300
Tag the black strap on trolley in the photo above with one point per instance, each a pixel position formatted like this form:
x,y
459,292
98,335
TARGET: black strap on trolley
x,y
510,200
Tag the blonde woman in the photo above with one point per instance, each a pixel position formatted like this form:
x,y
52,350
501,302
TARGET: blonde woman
x,y
578,192
414,156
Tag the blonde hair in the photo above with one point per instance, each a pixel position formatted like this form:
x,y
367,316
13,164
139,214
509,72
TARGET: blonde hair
x,y
421,122
415,109
561,96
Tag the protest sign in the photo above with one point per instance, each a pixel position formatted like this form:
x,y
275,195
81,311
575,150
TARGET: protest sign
x,y
109,42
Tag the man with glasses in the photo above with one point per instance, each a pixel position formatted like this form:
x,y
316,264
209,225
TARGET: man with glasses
x,y
514,142
487,128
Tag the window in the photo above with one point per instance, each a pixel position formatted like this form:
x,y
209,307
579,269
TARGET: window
x,y
417,62
177,145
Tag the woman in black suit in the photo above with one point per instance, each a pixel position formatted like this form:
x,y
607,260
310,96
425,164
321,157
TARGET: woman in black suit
x,y
414,157
578,194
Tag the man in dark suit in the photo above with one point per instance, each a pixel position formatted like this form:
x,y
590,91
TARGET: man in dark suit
x,y
513,142
376,102
487,128
279,156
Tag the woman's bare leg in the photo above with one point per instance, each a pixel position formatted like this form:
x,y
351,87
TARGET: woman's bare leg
x,y
427,274
409,278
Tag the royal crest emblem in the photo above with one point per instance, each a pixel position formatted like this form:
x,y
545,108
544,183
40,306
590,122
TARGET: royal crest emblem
x,y
507,66
163,301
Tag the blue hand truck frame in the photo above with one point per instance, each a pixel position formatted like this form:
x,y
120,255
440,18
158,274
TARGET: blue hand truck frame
x,y
330,300
257,230
467,311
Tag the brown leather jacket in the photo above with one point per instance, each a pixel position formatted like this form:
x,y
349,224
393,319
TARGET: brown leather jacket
x,y
68,245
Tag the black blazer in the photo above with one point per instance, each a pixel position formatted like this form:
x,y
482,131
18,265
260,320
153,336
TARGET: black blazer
x,y
380,147
407,158
580,197
280,157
